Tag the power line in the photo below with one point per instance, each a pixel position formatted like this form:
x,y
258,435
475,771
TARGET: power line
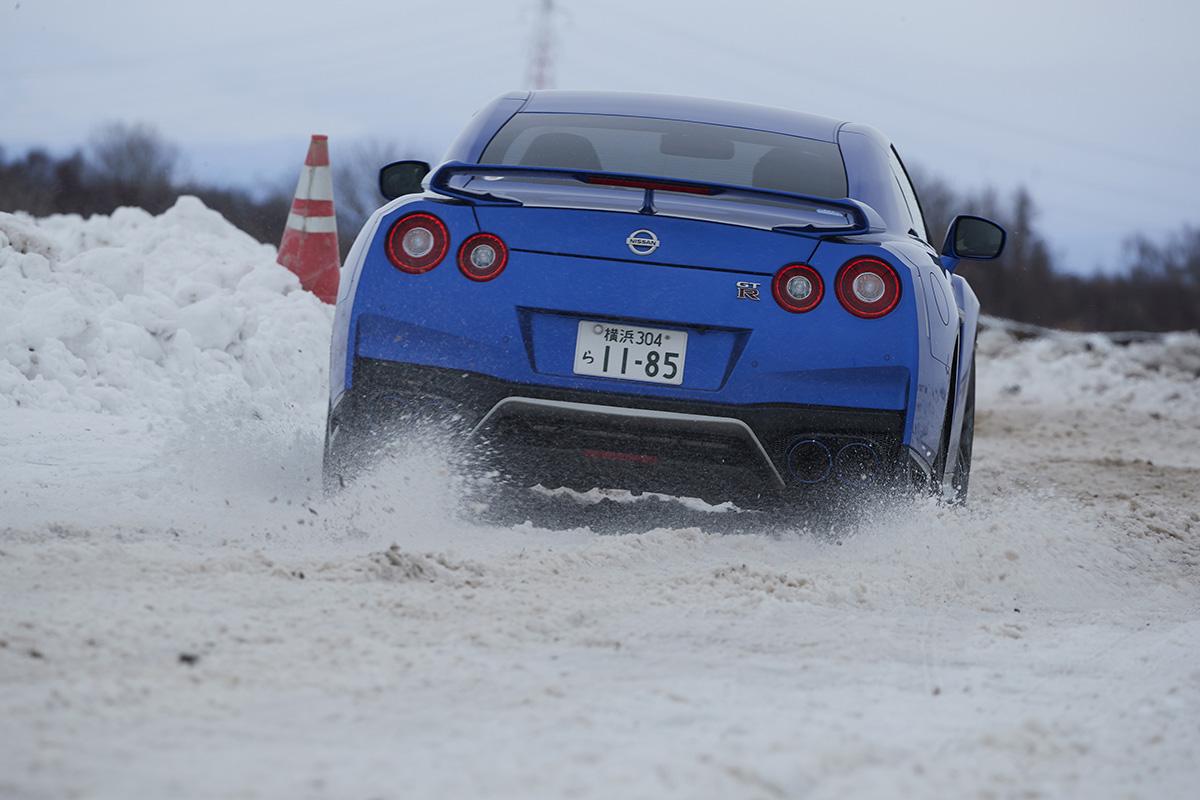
x,y
725,47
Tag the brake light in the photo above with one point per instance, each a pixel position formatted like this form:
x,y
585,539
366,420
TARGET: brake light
x,y
482,257
868,287
417,243
662,186
797,288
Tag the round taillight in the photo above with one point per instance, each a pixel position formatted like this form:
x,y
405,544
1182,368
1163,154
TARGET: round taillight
x,y
797,288
482,257
417,243
868,287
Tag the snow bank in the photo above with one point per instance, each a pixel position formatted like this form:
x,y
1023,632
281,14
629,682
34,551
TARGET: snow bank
x,y
1059,369
134,314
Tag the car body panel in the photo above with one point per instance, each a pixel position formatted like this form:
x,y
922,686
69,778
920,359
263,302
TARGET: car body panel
x,y
507,325
968,307
682,242
483,126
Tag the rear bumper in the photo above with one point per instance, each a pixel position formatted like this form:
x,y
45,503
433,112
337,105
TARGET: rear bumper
x,y
582,439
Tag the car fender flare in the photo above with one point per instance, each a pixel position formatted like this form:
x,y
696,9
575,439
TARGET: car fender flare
x,y
968,311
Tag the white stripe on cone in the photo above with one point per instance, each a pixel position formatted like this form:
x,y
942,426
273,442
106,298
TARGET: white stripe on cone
x,y
316,183
312,224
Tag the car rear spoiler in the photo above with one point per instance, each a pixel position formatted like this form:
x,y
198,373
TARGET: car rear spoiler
x,y
847,217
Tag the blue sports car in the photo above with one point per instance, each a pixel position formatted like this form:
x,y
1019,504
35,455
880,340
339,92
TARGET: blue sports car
x,y
662,294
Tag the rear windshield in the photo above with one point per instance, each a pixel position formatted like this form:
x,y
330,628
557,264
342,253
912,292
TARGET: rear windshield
x,y
670,149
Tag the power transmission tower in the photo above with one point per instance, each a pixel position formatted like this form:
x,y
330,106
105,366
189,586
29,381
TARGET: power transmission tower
x,y
541,55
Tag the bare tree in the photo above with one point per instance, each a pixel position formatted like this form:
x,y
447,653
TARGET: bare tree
x,y
133,153
356,182
28,184
1175,258
136,162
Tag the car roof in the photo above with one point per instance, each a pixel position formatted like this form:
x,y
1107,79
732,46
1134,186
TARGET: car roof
x,y
687,109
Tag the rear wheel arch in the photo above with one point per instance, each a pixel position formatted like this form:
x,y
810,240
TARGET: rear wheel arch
x,y
953,487
939,467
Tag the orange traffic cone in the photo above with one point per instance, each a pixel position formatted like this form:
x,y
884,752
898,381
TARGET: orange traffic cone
x,y
310,244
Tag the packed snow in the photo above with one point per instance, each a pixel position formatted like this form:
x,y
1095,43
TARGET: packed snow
x,y
185,615
141,316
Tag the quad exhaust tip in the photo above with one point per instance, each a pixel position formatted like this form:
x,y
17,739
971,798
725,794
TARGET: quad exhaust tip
x,y
856,463
812,461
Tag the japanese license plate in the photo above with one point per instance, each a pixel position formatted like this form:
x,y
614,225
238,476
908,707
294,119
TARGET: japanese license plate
x,y
630,353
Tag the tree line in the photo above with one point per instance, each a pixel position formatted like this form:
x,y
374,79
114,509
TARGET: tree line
x,y
127,165
1155,288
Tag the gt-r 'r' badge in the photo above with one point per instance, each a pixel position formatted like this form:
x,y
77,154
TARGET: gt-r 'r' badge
x,y
747,290
642,242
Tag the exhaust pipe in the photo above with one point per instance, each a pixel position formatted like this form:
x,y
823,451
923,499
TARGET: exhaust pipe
x,y
856,463
809,461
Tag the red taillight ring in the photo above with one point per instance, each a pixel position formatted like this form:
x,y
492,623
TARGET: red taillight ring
x,y
422,261
866,308
779,288
472,269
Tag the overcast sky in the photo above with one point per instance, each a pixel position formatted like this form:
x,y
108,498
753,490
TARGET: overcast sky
x,y
1095,106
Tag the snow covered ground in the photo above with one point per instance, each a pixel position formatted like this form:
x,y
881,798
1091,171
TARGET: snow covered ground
x,y
182,614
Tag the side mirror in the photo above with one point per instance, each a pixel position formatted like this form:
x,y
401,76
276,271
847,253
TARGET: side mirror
x,y
402,177
972,237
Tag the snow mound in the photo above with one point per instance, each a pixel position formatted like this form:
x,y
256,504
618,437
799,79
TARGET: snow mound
x,y
1157,374
154,315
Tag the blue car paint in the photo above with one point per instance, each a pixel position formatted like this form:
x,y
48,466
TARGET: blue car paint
x,y
864,152
968,305
567,265
479,131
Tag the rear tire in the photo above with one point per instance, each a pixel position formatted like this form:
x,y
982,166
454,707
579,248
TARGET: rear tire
x,y
332,470
961,479
345,453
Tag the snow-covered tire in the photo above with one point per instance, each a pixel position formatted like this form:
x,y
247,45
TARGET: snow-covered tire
x,y
961,479
343,456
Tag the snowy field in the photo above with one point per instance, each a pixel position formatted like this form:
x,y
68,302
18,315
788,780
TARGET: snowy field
x,y
183,615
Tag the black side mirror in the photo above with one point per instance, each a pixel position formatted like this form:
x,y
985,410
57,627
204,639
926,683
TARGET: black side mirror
x,y
975,238
402,177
